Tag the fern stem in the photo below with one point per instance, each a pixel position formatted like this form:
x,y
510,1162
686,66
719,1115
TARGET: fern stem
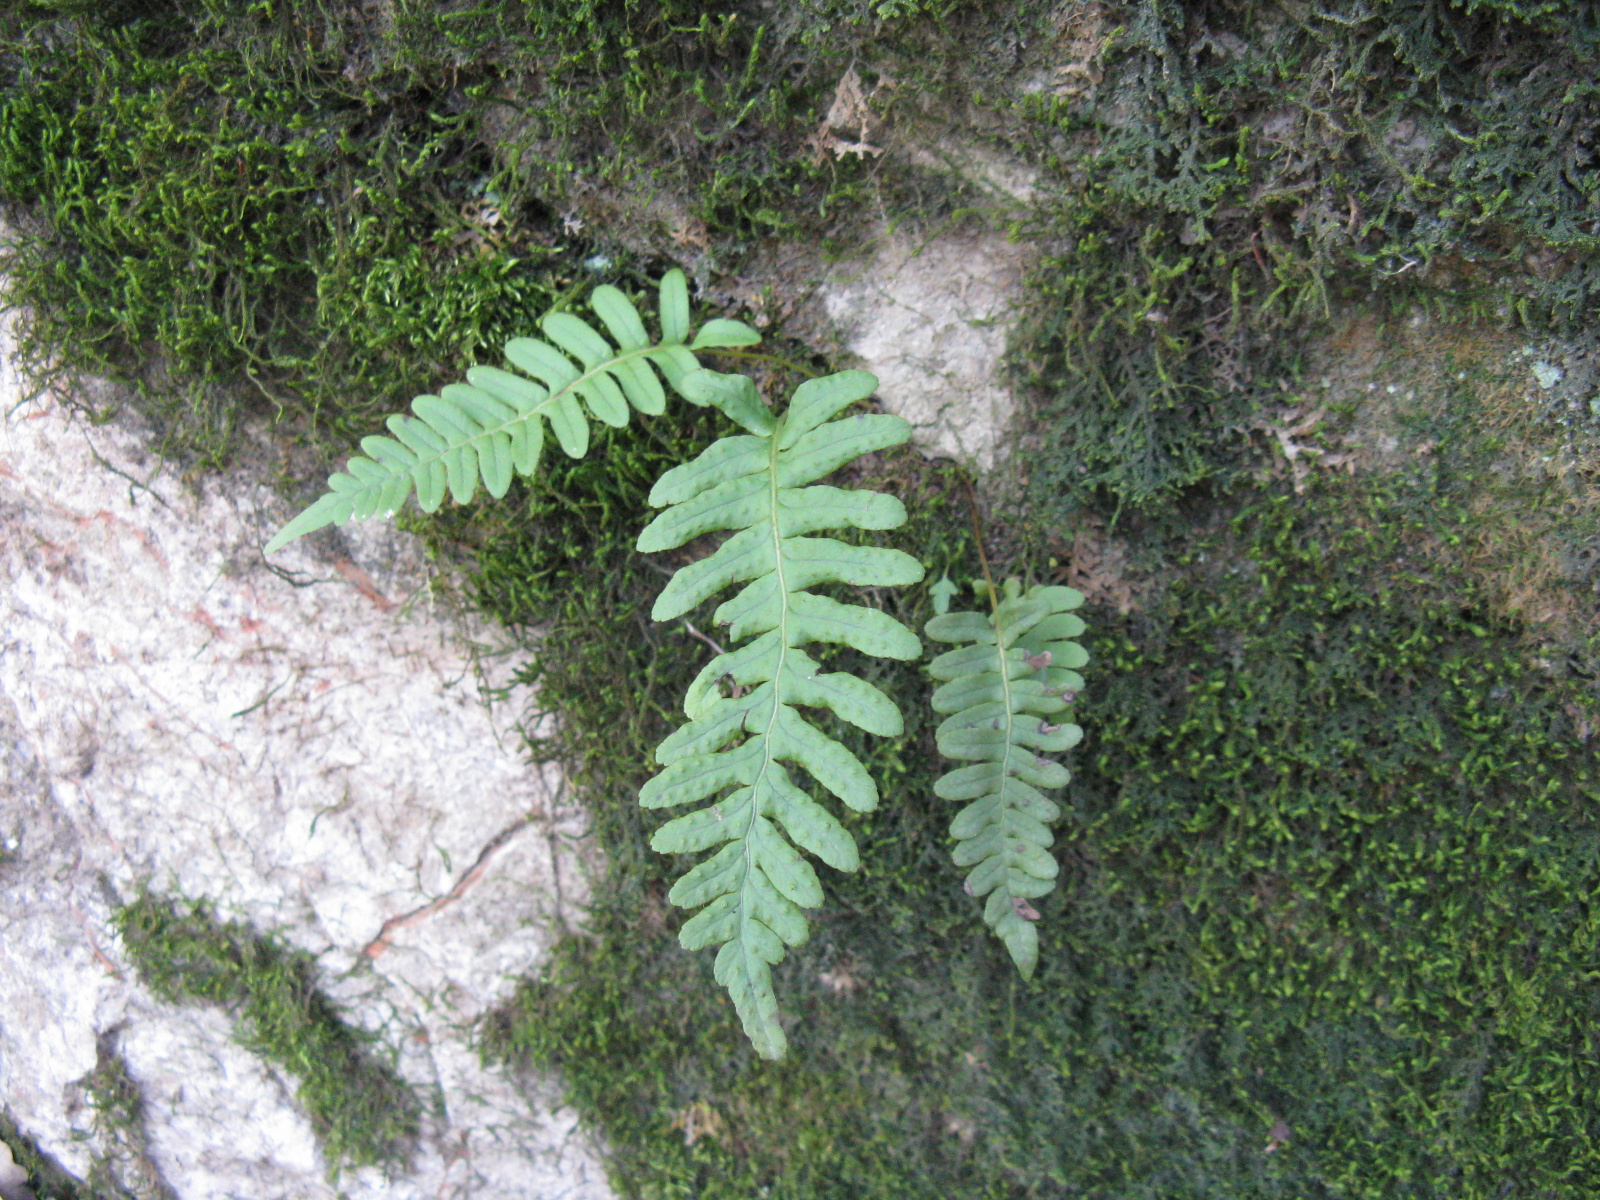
x,y
693,632
747,857
550,400
757,356
977,535
1008,697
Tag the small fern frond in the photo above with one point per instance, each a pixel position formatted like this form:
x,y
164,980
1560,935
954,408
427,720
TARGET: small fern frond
x,y
492,426
1017,671
755,887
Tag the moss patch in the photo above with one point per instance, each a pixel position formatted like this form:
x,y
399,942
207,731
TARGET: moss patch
x,y
1227,175
362,1112
314,212
1323,928
1325,869
120,1120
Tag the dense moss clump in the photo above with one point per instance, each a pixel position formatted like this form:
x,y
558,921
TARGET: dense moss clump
x,y
301,209
363,1113
215,193
1228,172
46,1177
1327,868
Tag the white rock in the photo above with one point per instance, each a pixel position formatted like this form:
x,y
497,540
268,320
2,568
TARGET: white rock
x,y
316,759
13,1179
930,319
1547,375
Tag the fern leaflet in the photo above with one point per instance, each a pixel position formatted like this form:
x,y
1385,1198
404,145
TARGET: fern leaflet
x,y
493,425
756,885
1017,670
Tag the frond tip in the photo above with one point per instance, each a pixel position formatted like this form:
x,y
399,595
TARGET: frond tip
x,y
1002,689
493,425
755,887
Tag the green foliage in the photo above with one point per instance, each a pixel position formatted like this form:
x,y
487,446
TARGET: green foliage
x,y
297,208
203,184
296,214
363,1113
1276,902
1016,672
666,1040
1228,173
1296,766
754,888
493,425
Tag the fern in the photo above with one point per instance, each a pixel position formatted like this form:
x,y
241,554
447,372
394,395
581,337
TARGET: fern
x,y
1017,670
754,888
493,425
733,759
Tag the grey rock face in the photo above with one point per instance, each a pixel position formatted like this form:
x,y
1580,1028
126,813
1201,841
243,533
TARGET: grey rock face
x,y
930,319
308,749
13,1179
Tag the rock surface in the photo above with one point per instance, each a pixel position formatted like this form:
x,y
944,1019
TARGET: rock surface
x,y
307,747
930,318
13,1179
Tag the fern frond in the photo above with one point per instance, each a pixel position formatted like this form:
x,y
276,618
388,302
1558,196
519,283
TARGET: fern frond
x,y
755,887
1017,670
485,429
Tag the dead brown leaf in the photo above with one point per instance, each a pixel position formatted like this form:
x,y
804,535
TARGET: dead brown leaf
x,y
699,1120
1098,567
849,111
1292,428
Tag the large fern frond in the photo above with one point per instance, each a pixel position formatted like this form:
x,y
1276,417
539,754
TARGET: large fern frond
x,y
756,885
1018,670
493,425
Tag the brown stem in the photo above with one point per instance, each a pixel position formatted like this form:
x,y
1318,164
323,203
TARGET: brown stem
x,y
693,632
977,534
757,356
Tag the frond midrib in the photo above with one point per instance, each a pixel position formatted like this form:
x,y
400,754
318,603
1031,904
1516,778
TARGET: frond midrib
x,y
537,410
745,905
1011,745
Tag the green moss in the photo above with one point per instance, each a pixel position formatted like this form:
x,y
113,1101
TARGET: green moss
x,y
360,1109
212,193
1325,865
1355,801
1333,828
125,1167
665,1038
1227,174
303,210
121,1168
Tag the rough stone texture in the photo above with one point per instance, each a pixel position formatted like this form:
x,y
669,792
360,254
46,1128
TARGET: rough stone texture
x,y
310,750
13,1179
930,318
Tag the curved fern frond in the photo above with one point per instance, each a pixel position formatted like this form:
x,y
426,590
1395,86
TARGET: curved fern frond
x,y
493,425
756,885
1017,670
